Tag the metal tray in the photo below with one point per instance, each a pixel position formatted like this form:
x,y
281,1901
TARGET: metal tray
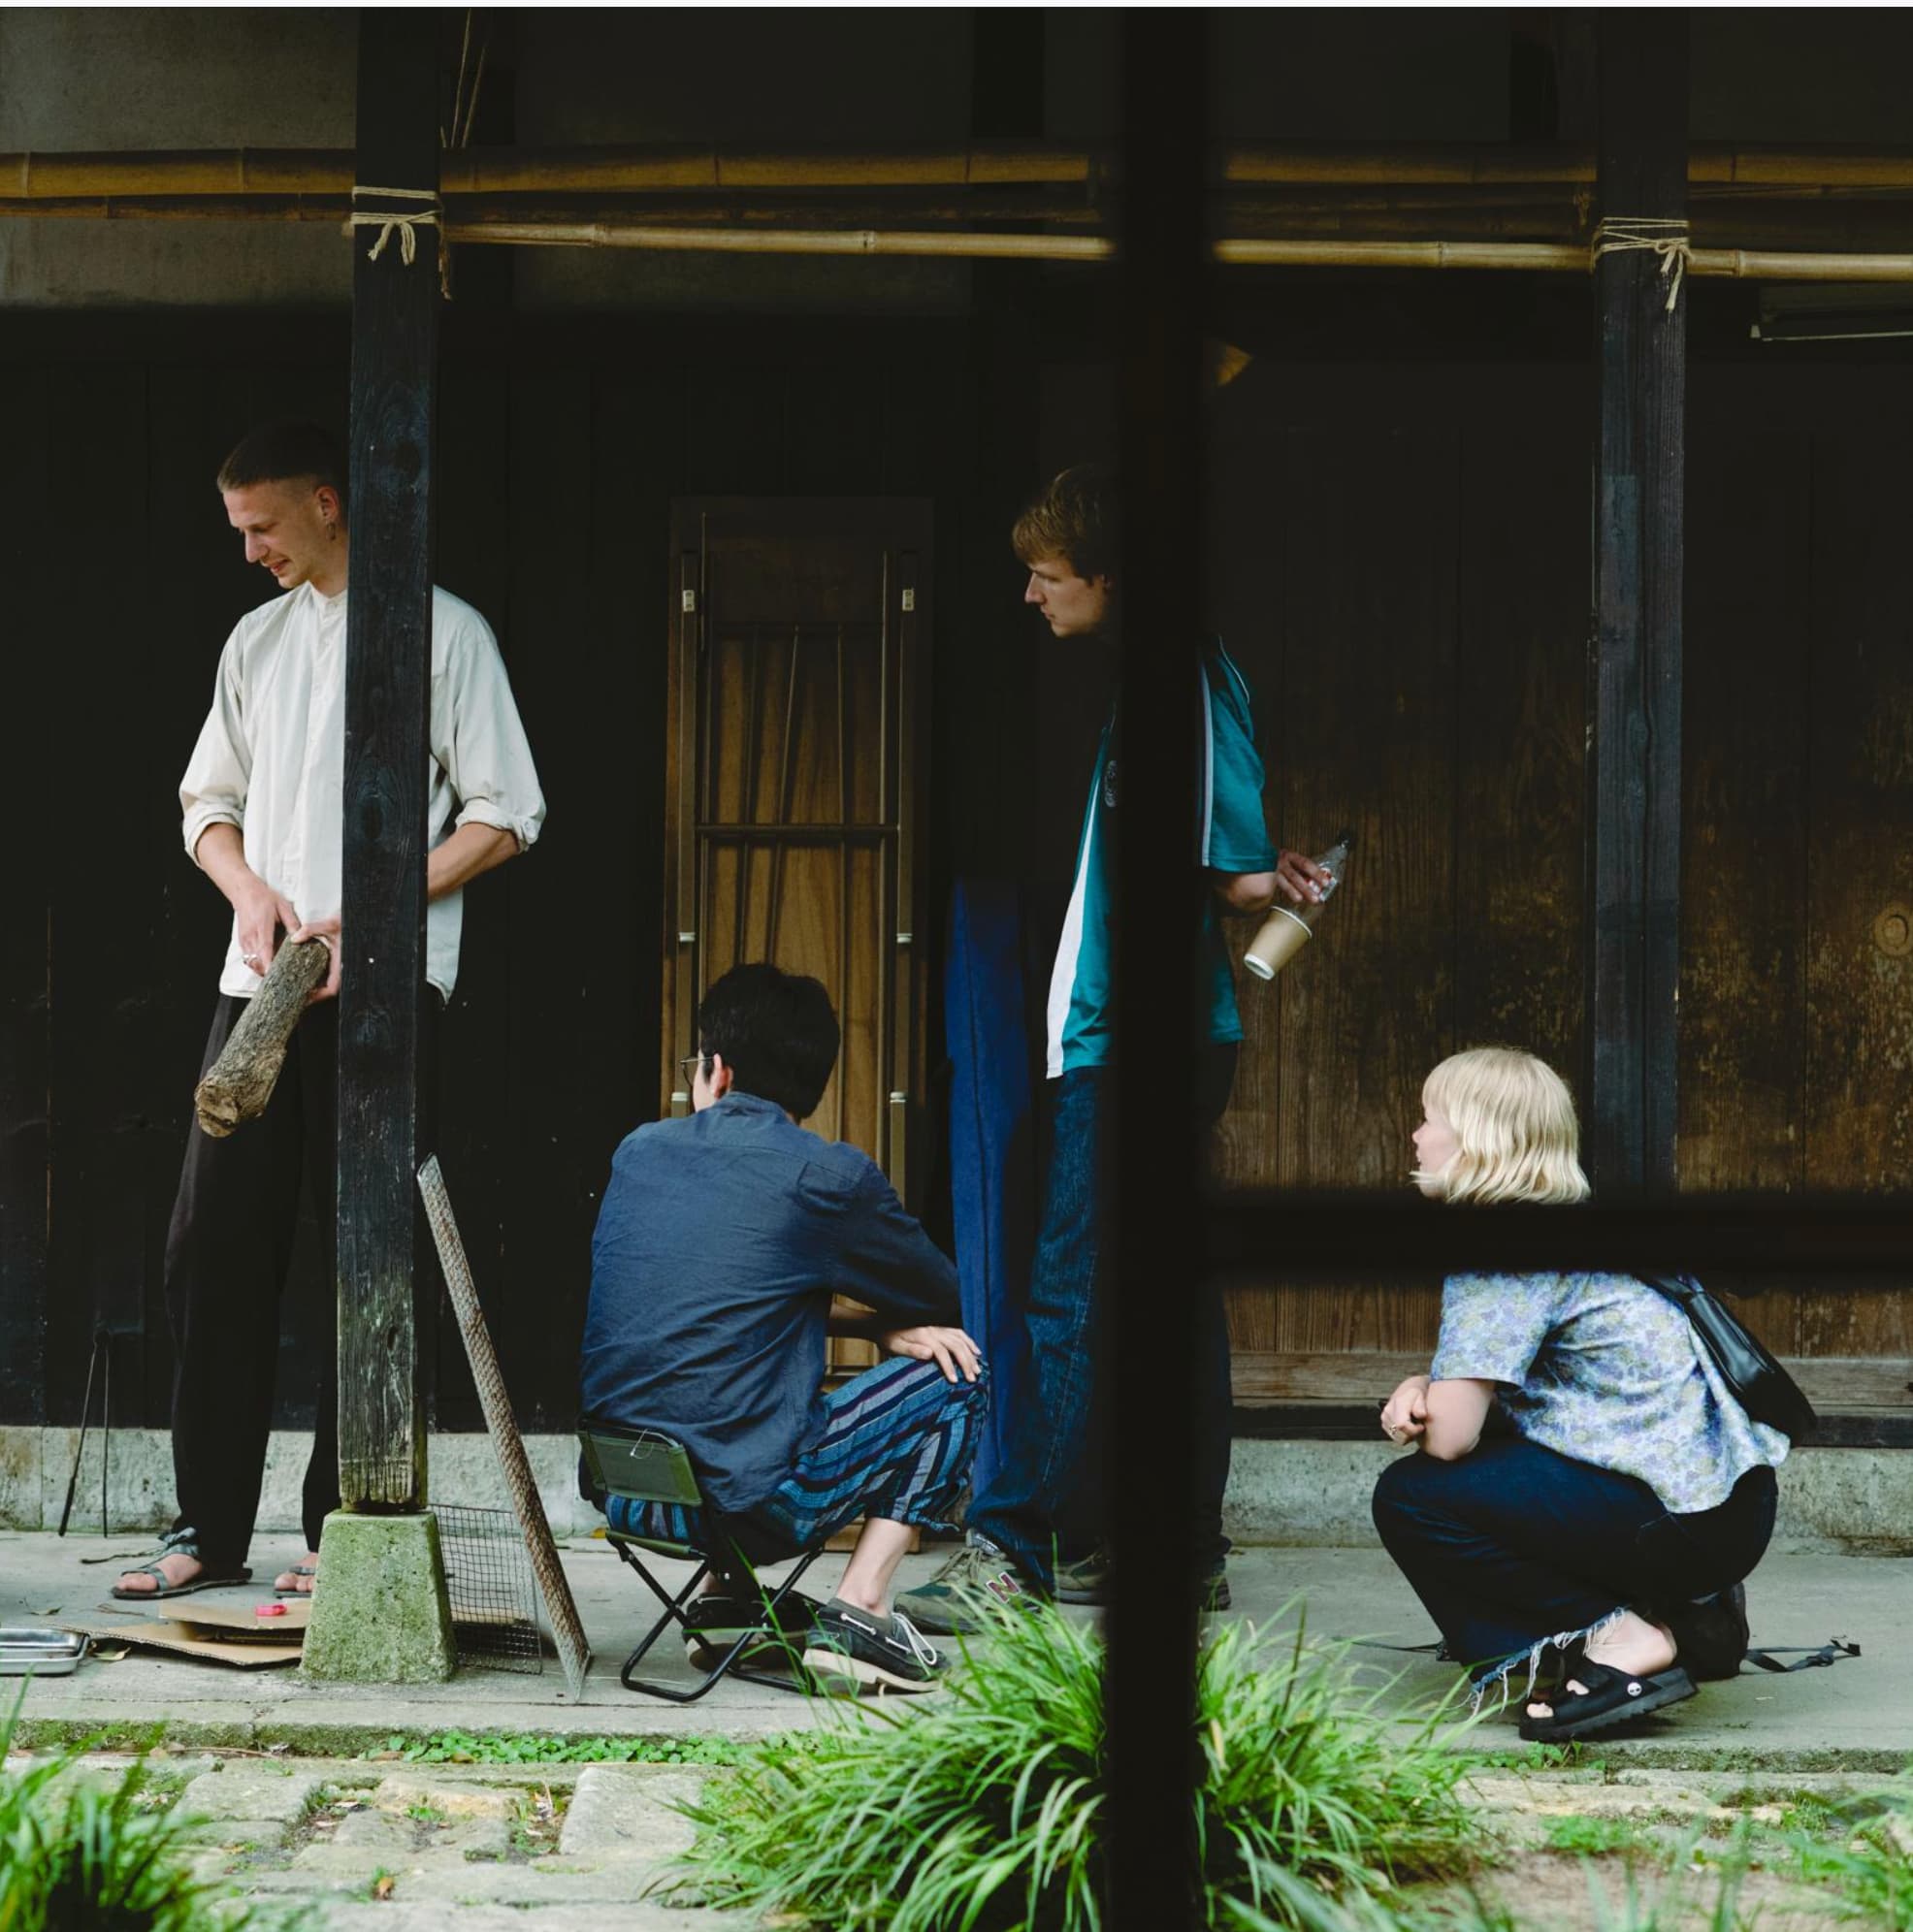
x,y
43,1653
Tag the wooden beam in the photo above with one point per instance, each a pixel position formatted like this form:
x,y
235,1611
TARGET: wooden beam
x,y
34,174
1162,302
1835,1384
1634,758
395,323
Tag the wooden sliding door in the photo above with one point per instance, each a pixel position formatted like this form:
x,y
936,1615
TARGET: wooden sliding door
x,y
798,676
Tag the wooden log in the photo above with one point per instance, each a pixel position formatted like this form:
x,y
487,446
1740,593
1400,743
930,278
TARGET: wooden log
x,y
388,642
240,1080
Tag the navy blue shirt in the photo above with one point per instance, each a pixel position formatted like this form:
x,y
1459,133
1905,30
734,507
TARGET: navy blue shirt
x,y
721,1241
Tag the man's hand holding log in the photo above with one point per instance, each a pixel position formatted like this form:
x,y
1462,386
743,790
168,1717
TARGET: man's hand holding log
x,y
293,973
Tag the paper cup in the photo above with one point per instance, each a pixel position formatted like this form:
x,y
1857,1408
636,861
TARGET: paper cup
x,y
1280,939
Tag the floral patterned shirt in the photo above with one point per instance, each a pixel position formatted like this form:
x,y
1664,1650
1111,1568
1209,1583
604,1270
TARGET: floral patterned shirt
x,y
1607,1370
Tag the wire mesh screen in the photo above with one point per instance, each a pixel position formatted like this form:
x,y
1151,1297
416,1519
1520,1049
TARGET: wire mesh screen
x,y
494,1597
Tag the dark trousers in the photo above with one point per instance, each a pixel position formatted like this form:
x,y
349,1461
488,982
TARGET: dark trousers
x,y
228,1250
1047,1487
1514,1545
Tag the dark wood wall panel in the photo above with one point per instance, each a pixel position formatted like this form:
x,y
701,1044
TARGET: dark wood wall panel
x,y
106,908
561,449
1859,730
1747,799
1401,567
1522,613
471,1133
35,687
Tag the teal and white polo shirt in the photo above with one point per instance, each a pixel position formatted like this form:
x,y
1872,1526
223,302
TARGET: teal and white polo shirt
x,y
1234,839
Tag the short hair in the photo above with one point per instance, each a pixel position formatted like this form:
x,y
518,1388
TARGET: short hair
x,y
286,452
777,1034
1514,1124
1074,518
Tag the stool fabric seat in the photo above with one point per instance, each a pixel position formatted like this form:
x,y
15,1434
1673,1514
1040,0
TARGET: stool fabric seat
x,y
645,1466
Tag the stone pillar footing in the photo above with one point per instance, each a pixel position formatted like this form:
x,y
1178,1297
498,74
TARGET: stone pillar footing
x,y
380,1613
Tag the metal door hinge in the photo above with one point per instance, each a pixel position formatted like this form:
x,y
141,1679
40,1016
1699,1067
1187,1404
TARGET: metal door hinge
x,y
909,597
687,601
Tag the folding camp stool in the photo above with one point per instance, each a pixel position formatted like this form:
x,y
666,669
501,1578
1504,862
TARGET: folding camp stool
x,y
644,1466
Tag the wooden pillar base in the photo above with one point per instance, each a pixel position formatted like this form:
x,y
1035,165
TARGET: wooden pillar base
x,y
380,1613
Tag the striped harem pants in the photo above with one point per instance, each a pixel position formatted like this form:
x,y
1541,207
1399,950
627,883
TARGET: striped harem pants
x,y
897,1442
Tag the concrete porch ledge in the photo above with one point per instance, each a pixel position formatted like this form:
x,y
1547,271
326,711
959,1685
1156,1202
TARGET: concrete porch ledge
x,y
1855,1717
1302,1493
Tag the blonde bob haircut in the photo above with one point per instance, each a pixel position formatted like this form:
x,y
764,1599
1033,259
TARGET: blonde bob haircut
x,y
1513,1120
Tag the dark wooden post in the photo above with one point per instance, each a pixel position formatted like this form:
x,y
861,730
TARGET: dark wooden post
x,y
1633,902
1162,285
388,642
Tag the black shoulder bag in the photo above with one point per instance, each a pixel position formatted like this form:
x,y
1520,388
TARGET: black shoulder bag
x,y
1759,1385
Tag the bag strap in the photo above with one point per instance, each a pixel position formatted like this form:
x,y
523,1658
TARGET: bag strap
x,y
1825,1657
1672,1286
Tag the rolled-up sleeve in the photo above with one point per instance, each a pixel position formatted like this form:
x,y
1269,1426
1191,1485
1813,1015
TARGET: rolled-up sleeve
x,y
478,737
1493,1326
220,772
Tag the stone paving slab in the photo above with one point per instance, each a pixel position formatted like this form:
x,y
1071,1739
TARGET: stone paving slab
x,y
445,1835
399,1914
627,1810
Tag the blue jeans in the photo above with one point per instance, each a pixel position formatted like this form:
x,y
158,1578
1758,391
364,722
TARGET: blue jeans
x,y
1514,1547
1048,1486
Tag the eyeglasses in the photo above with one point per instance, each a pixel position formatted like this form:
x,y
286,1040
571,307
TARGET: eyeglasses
x,y
689,1068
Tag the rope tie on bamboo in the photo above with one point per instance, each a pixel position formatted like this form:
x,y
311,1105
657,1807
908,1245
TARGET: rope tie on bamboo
x,y
1666,237
406,221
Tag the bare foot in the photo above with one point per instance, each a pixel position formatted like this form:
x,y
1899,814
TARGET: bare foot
x,y
1630,1644
292,1580
177,1569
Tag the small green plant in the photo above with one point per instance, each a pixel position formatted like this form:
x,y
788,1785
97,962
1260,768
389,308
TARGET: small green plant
x,y
78,1857
1570,1757
984,1812
1602,1837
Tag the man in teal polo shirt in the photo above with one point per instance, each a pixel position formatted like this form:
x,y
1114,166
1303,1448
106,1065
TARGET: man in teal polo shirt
x,y
1043,1491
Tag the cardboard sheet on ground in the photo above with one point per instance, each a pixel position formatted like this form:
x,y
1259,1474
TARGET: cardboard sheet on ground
x,y
287,1628
215,1643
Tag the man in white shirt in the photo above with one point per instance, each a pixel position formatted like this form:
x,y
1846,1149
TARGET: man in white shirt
x,y
263,805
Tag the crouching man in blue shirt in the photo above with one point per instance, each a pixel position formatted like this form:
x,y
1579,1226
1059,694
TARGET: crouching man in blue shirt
x,y
721,1241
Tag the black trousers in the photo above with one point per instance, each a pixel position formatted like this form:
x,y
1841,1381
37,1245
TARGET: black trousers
x,y
228,1251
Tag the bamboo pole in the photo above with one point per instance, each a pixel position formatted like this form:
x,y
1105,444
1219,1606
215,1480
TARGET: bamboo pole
x,y
965,247
28,176
494,224
1521,256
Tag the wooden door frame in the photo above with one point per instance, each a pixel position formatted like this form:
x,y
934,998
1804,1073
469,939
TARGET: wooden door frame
x,y
905,526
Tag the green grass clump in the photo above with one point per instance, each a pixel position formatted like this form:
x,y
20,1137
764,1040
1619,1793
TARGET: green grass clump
x,y
77,1858
1602,1837
983,1810
1863,1874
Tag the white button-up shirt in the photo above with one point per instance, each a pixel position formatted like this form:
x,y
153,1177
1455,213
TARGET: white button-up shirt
x,y
271,759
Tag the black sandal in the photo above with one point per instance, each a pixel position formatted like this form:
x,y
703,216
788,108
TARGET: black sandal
x,y
1611,1697
177,1543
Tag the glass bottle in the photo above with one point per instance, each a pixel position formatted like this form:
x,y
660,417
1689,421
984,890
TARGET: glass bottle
x,y
1289,928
